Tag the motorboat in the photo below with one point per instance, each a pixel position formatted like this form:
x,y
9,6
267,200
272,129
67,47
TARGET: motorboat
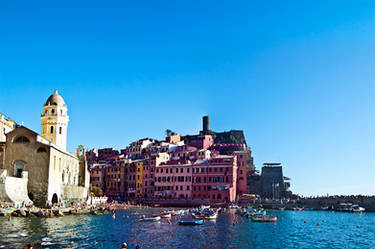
x,y
298,209
165,215
154,218
357,209
344,207
255,212
205,214
233,206
190,222
203,207
264,219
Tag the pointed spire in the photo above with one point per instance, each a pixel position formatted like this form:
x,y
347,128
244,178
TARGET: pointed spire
x,y
55,92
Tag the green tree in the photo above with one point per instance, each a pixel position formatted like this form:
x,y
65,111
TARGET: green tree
x,y
97,191
168,132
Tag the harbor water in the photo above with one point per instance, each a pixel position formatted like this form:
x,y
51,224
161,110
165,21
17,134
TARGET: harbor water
x,y
293,229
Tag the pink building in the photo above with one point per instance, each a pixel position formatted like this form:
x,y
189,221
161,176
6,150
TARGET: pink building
x,y
241,172
202,142
215,179
97,173
173,181
148,176
183,152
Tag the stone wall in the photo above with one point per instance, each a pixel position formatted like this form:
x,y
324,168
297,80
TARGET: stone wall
x,y
14,189
76,194
36,163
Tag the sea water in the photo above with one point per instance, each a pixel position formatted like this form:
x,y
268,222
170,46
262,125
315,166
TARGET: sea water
x,y
293,229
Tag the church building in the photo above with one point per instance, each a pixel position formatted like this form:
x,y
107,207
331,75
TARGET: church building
x,y
53,175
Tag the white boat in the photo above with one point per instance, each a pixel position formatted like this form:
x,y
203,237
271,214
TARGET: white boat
x,y
344,207
205,216
156,218
357,209
203,207
165,215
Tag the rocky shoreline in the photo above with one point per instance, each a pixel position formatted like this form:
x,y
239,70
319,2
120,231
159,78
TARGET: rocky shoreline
x,y
32,211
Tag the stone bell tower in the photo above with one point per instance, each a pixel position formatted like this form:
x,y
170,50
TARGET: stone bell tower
x,y
55,120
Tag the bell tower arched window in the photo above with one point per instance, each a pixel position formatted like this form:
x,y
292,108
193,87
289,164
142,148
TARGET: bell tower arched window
x,y
60,130
51,129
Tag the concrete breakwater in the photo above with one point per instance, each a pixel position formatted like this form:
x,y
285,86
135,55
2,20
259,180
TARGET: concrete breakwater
x,y
318,203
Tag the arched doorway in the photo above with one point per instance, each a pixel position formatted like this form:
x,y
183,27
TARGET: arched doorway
x,y
19,167
55,199
31,196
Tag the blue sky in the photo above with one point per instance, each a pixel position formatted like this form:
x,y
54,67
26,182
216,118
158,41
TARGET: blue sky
x,y
297,76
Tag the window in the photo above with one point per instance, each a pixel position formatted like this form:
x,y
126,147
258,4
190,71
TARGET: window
x,y
60,130
51,130
53,111
21,140
176,170
41,149
181,188
182,170
240,172
19,167
215,169
187,187
188,170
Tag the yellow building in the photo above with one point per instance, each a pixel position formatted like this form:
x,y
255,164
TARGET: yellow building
x,y
139,179
6,125
55,120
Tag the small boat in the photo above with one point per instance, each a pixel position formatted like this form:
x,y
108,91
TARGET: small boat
x,y
165,215
233,206
95,212
155,218
281,208
298,209
357,209
205,216
190,222
264,219
344,207
202,207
